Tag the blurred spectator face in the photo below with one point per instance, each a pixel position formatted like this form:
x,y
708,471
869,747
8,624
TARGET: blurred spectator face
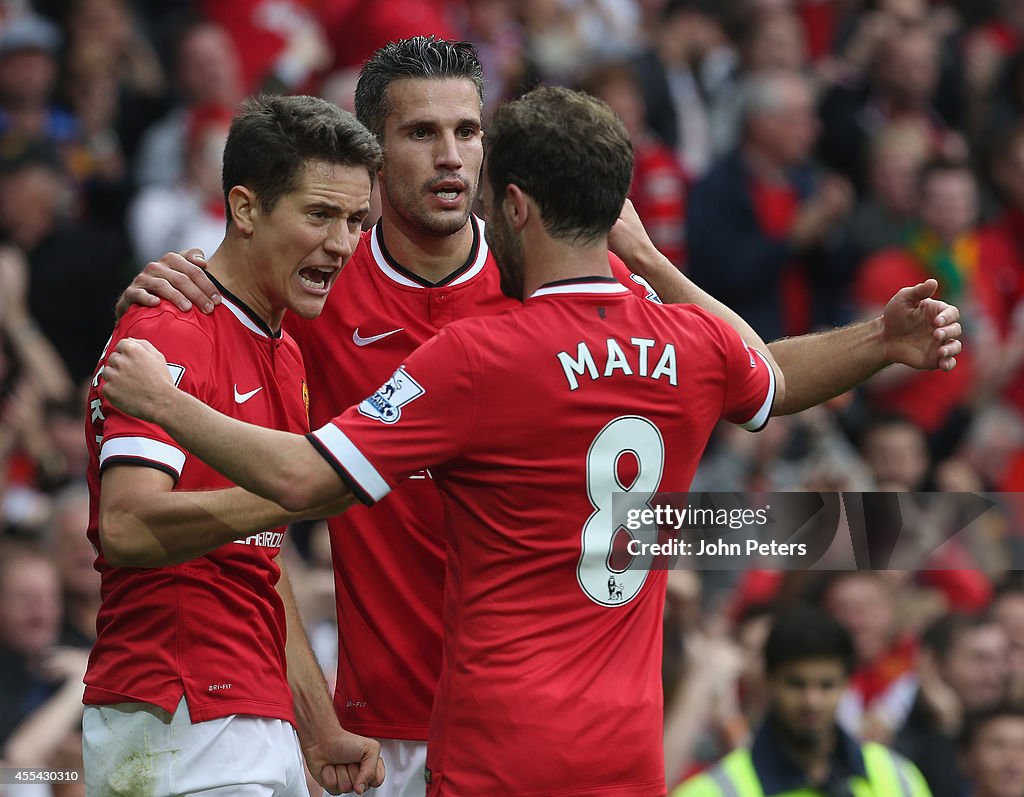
x,y
949,203
687,34
1009,613
977,666
623,96
1013,12
488,18
105,21
30,604
908,66
27,76
1008,172
205,140
29,202
909,12
784,129
862,602
994,762
803,696
209,71
778,42
74,552
896,157
896,453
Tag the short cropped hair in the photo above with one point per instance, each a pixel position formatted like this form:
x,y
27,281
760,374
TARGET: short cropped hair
x,y
975,721
944,633
274,137
807,632
570,153
424,57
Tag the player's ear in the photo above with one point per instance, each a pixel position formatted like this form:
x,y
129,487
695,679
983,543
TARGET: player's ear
x,y
517,206
243,206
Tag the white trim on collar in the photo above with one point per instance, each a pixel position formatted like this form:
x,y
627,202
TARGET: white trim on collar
x,y
242,316
481,254
582,288
401,279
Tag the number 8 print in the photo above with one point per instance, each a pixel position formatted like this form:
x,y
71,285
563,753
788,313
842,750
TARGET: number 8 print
x,y
597,578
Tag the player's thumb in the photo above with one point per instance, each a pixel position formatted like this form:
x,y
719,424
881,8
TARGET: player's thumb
x,y
367,772
921,291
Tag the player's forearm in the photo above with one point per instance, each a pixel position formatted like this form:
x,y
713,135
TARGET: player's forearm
x,y
821,366
280,466
314,710
158,529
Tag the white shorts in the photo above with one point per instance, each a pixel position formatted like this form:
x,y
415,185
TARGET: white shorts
x,y
404,763
132,749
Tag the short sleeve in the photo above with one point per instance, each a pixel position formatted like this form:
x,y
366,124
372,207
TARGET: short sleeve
x,y
636,284
750,382
421,417
128,440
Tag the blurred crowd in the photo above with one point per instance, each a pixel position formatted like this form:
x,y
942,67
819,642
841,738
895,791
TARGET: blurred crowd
x,y
799,159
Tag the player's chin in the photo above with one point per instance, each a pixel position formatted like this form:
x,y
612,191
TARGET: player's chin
x,y
308,305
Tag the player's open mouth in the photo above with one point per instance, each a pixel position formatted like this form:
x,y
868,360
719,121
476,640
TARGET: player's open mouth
x,y
448,191
316,279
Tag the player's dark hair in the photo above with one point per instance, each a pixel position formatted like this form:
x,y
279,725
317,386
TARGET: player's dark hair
x,y
944,633
807,632
274,137
569,152
976,720
418,57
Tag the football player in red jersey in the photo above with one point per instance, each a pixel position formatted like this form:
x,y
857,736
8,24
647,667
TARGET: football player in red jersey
x,y
201,667
521,418
424,265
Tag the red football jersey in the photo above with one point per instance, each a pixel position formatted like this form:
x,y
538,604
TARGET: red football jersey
x,y
389,597
551,658
212,628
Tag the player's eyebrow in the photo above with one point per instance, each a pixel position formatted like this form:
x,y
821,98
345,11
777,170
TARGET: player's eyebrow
x,y
321,205
434,123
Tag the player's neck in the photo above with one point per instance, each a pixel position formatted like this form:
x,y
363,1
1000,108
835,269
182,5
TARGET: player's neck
x,y
548,259
432,257
232,270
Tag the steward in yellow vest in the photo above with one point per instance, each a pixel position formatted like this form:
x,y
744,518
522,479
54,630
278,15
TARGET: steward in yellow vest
x,y
765,770
799,750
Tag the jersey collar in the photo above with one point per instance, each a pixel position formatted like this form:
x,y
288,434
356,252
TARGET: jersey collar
x,y
581,286
396,272
245,314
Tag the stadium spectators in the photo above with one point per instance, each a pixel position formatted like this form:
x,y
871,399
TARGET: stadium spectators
x,y
992,750
962,667
800,747
765,226
903,80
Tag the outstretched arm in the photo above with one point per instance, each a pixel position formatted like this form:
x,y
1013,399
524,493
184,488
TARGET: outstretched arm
x,y
279,466
915,329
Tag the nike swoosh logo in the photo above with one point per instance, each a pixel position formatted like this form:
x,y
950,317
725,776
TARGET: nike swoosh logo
x,y
359,340
241,398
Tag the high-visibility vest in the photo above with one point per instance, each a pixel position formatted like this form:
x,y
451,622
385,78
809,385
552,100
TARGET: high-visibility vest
x,y
888,775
